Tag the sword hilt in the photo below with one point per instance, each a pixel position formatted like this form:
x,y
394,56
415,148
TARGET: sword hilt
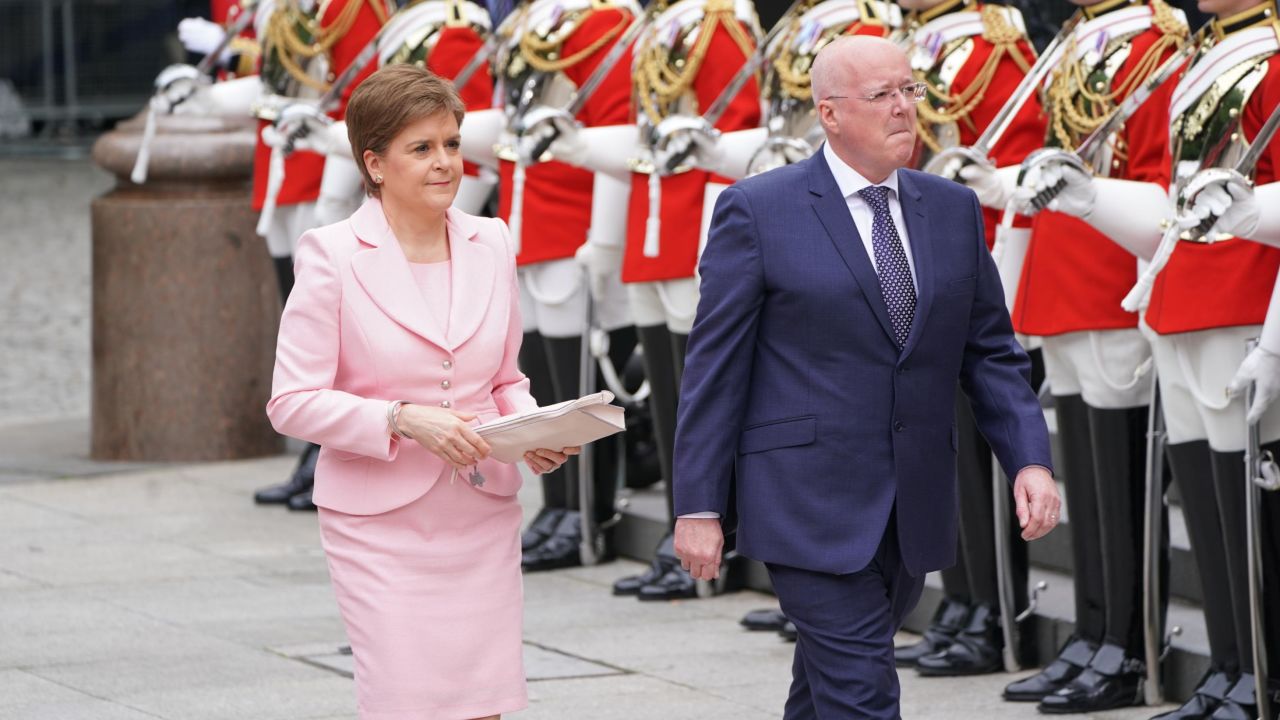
x,y
1033,602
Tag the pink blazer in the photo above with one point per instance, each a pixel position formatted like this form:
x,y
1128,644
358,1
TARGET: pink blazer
x,y
356,334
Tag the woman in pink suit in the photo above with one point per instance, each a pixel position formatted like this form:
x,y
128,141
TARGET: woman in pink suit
x,y
402,331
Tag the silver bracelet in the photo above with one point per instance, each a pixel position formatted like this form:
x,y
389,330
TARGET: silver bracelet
x,y
393,417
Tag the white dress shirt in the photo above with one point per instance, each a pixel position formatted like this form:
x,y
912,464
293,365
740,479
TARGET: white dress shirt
x,y
850,181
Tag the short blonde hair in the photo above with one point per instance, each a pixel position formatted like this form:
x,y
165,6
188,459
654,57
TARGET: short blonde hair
x,y
387,102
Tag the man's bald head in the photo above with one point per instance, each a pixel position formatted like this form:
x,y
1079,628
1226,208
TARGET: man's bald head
x,y
837,64
861,93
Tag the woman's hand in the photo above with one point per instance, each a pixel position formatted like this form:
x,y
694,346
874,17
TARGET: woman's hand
x,y
444,432
543,460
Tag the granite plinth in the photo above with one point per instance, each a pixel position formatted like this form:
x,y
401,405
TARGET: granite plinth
x,y
185,300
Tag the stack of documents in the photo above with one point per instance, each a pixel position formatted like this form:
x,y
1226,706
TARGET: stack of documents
x,y
567,424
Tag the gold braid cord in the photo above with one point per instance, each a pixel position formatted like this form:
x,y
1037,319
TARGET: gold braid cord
x,y
792,81
661,76
286,28
1077,107
543,55
943,108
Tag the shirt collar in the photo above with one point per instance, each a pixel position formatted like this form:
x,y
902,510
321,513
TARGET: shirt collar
x,y
850,181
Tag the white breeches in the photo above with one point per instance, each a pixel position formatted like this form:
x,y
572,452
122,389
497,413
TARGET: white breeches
x,y
553,300
1109,369
287,225
1195,368
673,303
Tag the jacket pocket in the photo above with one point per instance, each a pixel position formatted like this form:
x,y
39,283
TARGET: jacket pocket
x,y
959,285
775,434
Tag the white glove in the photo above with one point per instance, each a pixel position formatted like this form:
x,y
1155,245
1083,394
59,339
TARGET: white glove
x,y
691,146
544,123
273,138
1261,367
600,262
988,183
1233,204
201,36
305,128
1077,196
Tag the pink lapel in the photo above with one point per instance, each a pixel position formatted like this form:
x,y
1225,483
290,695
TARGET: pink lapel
x,y
473,276
384,273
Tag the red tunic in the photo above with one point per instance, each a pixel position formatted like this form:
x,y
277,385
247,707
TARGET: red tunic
x,y
557,197
683,194
453,50
1074,277
1025,133
1228,283
303,169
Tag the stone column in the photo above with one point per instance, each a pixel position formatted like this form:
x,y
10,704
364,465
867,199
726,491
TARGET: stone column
x,y
185,298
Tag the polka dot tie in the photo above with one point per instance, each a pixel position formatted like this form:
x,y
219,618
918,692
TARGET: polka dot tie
x,y
896,288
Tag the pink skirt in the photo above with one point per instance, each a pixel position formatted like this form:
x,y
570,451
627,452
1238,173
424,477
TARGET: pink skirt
x,y
432,600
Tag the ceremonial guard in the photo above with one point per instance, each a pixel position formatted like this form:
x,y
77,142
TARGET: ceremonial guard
x,y
1097,361
682,62
445,36
972,57
1207,292
305,45
561,52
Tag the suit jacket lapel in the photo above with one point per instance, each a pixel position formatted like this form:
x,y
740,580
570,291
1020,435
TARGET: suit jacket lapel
x,y
922,251
383,272
474,272
833,213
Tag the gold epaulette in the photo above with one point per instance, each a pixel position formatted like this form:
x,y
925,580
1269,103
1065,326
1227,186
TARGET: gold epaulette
x,y
663,74
941,107
543,52
292,33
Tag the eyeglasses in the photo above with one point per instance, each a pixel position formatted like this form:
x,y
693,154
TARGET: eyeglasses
x,y
913,92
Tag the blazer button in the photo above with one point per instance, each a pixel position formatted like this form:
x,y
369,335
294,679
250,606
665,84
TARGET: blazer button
x,y
446,384
447,364
446,404
898,426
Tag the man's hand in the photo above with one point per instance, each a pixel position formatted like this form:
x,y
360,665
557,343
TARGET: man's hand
x,y
1038,504
699,542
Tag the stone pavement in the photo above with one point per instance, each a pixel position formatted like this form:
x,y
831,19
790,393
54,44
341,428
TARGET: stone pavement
x,y
165,593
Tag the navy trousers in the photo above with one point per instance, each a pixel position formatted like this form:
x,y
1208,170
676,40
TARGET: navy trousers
x,y
843,667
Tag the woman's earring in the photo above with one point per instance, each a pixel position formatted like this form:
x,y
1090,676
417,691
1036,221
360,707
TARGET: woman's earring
x,y
377,179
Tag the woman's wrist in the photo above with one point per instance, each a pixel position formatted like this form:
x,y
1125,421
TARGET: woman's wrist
x,y
393,418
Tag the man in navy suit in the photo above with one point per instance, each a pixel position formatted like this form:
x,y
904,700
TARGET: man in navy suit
x,y
843,297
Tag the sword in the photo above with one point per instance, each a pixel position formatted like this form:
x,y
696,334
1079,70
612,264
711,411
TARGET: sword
x,y
1086,156
720,105
177,73
1010,619
1254,457
580,97
1152,547
1238,174
242,21
948,162
591,546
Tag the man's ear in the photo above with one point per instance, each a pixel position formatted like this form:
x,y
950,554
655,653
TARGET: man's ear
x,y
827,118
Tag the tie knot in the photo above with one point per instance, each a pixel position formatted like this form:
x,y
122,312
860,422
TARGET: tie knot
x,y
877,196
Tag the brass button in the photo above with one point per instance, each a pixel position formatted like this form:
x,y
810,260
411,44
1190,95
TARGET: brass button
x,y
446,404
446,384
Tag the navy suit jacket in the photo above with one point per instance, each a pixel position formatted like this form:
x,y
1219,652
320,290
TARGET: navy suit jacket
x,y
796,395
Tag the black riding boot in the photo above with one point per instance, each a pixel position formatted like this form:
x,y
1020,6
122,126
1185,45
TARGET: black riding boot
x,y
535,365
